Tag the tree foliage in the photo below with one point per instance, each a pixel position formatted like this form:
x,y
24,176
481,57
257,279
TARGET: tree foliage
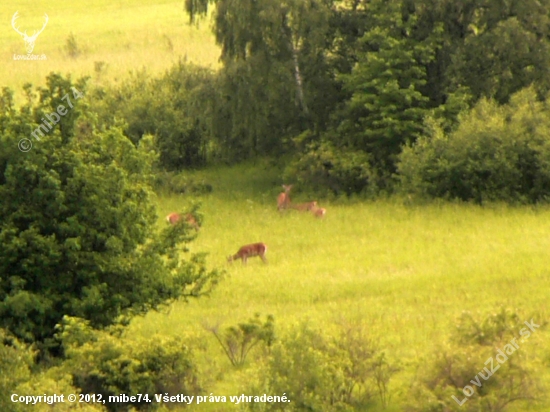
x,y
105,362
276,79
496,153
327,168
488,356
322,373
237,341
362,76
78,226
386,107
177,109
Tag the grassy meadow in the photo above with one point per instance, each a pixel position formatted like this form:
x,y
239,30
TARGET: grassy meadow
x,y
125,35
405,271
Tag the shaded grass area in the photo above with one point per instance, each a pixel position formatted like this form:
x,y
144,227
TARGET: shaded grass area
x,y
406,272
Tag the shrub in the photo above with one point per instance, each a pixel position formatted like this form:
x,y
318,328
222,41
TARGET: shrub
x,y
110,364
78,232
237,341
318,373
326,168
71,47
175,108
16,359
55,381
496,153
472,358
18,377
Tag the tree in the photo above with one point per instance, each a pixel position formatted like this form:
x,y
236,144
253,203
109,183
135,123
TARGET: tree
x,y
385,106
494,48
497,153
77,226
176,108
276,81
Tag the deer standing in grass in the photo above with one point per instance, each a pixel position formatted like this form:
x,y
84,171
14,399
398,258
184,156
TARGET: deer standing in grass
x,y
252,250
174,218
283,200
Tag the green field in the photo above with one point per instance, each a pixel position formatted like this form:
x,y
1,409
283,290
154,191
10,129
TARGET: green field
x,y
407,272
125,35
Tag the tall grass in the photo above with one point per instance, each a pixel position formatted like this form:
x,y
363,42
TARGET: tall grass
x,y
406,272
124,35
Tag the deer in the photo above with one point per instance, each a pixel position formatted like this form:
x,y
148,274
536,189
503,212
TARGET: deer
x,y
319,212
174,218
29,40
283,200
305,207
252,250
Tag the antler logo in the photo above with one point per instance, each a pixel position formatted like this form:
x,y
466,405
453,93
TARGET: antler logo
x,y
29,40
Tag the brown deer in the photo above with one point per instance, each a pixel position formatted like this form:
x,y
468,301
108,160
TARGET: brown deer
x,y
254,249
305,207
174,218
319,212
283,200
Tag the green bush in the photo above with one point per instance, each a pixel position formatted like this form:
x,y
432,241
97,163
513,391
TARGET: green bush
x,y
237,341
19,377
325,168
110,364
472,358
55,381
497,153
16,360
319,373
175,108
78,227
72,49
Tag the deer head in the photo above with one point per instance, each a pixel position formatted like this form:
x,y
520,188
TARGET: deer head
x,y
29,40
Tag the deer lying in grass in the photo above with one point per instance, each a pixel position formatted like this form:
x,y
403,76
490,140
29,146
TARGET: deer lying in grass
x,y
283,202
305,207
319,212
254,249
174,218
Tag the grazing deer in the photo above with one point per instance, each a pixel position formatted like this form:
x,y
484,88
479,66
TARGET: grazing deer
x,y
254,249
305,207
174,218
319,212
29,40
283,200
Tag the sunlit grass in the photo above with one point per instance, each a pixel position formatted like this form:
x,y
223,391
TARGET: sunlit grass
x,y
124,35
406,272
